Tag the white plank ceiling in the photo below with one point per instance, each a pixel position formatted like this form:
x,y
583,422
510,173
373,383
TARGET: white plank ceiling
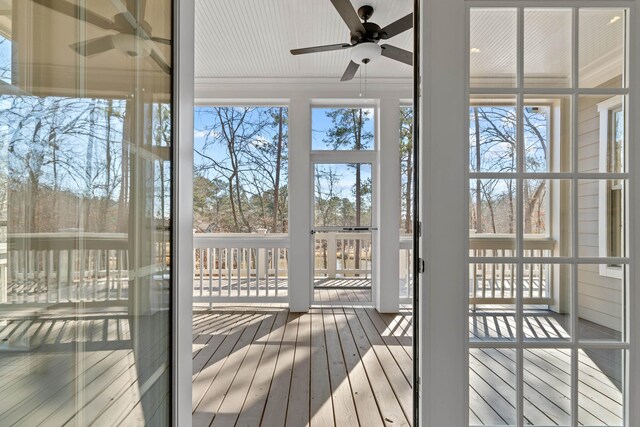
x,y
252,39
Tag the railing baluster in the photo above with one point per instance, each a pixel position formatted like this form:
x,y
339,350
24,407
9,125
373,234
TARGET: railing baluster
x,y
277,273
219,270
540,281
96,273
247,262
228,250
121,270
239,253
484,280
201,269
70,281
502,285
531,282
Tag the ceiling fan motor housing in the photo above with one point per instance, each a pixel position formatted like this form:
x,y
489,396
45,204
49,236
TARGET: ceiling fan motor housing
x,y
372,32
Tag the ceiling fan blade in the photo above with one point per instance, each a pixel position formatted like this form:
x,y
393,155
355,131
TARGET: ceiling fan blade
x,y
350,71
75,11
397,27
349,16
161,40
325,48
137,8
93,46
163,65
398,54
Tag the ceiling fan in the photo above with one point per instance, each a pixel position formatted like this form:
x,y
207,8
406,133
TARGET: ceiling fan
x,y
133,36
365,37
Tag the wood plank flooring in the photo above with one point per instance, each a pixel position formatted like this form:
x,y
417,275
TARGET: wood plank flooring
x,y
351,366
335,366
82,368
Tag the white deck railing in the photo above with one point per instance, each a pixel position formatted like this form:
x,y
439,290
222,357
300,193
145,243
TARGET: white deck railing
x,y
495,282
240,266
60,267
406,268
335,255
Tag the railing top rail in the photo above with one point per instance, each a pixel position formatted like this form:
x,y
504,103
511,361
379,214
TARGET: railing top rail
x,y
66,240
501,241
240,240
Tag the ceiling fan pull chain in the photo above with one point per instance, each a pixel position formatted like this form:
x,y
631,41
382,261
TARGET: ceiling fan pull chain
x,y
365,81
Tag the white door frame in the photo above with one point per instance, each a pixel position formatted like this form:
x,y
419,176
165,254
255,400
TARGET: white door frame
x,y
182,206
349,157
443,309
444,303
444,306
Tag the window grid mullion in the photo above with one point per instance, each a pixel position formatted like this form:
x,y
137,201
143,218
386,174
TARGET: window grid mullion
x,y
575,60
519,217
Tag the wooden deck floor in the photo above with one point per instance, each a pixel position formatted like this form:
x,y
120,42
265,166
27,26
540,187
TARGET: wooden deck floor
x,y
547,372
263,366
339,366
66,367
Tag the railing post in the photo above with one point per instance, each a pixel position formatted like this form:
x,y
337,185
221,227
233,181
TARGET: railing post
x,y
3,281
332,251
386,241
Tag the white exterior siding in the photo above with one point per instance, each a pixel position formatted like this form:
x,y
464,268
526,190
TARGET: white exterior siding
x,y
599,297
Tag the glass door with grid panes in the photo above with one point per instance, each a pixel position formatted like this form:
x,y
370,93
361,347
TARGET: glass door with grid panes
x,y
548,212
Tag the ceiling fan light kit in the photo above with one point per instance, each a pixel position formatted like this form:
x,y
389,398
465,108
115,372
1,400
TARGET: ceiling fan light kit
x,y
131,45
133,35
364,38
363,53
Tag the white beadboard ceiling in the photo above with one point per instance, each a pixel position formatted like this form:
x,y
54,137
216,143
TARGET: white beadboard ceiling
x,y
547,33
252,39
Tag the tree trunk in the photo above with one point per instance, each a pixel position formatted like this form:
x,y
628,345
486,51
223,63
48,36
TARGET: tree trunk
x,y
276,189
358,187
478,165
123,199
408,220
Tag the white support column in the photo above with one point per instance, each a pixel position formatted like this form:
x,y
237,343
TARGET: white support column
x,y
300,204
387,244
443,295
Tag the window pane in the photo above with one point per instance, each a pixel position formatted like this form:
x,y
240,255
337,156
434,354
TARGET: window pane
x,y
492,213
342,129
342,195
85,214
601,299
602,228
547,133
601,47
547,220
601,134
546,293
600,387
493,47
492,295
547,47
240,169
492,395
547,387
492,136
406,169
